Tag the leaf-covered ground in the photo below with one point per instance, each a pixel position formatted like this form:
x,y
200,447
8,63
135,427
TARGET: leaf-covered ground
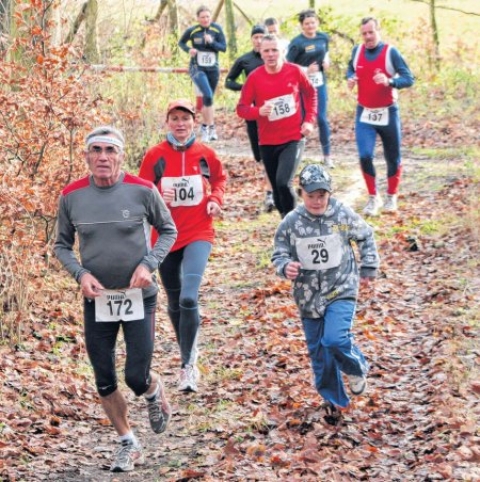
x,y
257,416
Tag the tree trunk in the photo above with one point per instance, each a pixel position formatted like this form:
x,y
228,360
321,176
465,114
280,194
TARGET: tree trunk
x,y
436,41
76,24
5,18
230,27
53,21
217,10
91,49
311,4
173,17
5,14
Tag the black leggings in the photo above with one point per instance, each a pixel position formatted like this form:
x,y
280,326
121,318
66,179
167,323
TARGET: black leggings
x,y
181,273
101,338
281,163
252,131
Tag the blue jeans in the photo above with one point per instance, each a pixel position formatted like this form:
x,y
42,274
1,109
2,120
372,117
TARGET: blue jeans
x,y
100,341
206,81
323,125
332,350
181,273
391,137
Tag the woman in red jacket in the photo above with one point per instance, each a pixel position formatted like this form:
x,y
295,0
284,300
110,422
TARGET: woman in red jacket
x,y
191,180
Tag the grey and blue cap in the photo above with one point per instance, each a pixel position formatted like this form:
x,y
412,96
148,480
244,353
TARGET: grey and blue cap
x,y
313,177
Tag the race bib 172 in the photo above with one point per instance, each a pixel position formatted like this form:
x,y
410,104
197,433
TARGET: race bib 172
x,y
119,305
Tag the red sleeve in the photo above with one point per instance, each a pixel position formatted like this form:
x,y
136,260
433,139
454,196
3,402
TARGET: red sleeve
x,y
245,108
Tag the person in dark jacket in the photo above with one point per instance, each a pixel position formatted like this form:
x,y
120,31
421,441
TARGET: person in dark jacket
x,y
203,42
241,68
310,51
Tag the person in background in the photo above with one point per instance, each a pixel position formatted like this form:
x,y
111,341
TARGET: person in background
x,y
191,180
313,248
283,102
112,212
203,42
272,26
242,67
378,70
310,51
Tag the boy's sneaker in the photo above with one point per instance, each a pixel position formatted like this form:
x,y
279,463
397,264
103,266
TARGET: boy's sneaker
x,y
159,410
358,384
188,379
373,205
269,203
205,133
126,457
332,416
390,203
212,133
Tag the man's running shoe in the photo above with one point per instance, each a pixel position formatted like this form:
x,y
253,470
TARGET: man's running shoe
x,y
212,133
159,410
204,131
126,457
390,204
269,203
373,205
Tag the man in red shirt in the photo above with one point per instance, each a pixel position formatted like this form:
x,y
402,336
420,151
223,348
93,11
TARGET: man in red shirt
x,y
280,97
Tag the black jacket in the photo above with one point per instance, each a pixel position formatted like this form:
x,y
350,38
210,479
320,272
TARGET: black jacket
x,y
245,64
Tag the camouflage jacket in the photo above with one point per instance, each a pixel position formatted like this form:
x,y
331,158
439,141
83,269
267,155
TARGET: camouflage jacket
x,y
323,244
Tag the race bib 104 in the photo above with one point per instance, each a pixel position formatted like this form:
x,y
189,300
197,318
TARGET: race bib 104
x,y
376,117
319,252
206,59
188,189
283,106
119,305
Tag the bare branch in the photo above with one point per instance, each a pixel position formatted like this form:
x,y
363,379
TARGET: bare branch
x,y
445,7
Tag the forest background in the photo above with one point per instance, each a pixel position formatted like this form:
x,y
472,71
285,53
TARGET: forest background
x,y
66,66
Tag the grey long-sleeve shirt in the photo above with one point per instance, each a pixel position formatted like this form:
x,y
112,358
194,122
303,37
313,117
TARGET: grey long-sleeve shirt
x,y
113,225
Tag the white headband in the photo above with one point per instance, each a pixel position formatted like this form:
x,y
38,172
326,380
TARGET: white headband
x,y
108,139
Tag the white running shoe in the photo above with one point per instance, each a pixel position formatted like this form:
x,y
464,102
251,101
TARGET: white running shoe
x,y
269,202
205,134
358,384
188,379
212,133
126,457
329,163
390,204
373,205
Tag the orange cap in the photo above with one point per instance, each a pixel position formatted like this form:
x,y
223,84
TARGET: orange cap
x,y
183,104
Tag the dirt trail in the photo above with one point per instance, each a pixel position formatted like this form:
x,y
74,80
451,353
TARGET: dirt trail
x,y
256,416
